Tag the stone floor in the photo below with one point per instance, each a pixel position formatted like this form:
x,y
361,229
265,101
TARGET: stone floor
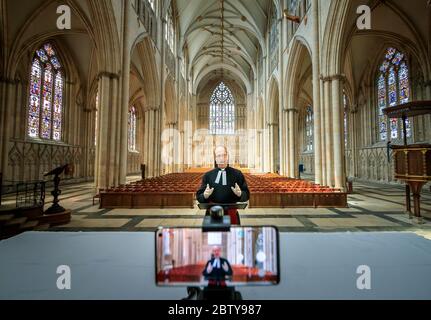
x,y
372,207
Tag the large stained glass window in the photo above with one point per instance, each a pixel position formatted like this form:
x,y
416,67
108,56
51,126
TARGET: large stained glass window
x,y
132,129
273,38
222,111
169,29
393,88
309,128
45,108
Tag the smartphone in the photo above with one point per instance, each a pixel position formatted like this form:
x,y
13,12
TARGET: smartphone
x,y
242,256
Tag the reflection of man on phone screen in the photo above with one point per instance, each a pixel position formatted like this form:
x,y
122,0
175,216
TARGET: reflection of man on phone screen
x,y
216,269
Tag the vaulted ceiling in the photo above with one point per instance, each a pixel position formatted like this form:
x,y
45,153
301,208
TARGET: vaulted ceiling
x,y
222,35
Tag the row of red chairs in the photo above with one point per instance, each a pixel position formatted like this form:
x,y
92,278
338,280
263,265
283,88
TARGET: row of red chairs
x,y
190,182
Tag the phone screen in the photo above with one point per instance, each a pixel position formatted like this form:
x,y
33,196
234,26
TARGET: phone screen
x,y
242,256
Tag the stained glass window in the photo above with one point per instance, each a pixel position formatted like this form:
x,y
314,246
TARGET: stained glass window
x,y
132,129
393,88
273,40
382,104
34,105
222,111
45,107
309,128
151,2
169,29
58,103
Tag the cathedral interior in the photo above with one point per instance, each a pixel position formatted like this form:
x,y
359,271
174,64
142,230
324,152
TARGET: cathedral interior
x,y
110,112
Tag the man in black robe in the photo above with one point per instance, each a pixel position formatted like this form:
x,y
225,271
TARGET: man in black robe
x,y
217,269
223,185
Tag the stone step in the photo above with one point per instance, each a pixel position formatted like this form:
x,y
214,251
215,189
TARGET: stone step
x,y
15,222
42,227
56,218
29,225
4,218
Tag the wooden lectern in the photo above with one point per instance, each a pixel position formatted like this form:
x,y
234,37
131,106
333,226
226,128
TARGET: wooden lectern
x,y
412,162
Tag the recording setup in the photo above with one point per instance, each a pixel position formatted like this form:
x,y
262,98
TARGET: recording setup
x,y
212,260
215,150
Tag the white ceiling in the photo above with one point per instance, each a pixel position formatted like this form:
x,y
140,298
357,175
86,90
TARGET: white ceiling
x,y
245,23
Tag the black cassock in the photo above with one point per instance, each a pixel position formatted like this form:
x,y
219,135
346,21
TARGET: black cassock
x,y
217,276
223,193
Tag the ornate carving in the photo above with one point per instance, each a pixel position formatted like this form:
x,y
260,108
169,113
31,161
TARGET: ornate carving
x,y
30,159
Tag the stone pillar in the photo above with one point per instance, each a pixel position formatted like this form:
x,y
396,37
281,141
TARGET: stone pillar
x,y
328,133
181,143
124,103
151,145
114,131
428,97
107,149
265,148
322,137
338,134
317,146
145,144
270,165
291,144
285,141
157,140
8,92
354,139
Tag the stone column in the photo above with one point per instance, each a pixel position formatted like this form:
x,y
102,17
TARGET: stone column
x,y
7,104
151,144
338,134
292,117
181,142
266,149
285,141
428,97
322,137
157,140
145,144
281,97
317,146
260,151
270,164
328,133
124,103
107,166
354,139
114,132
291,144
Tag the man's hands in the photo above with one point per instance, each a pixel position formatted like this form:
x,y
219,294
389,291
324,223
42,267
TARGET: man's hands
x,y
208,192
237,190
225,267
209,268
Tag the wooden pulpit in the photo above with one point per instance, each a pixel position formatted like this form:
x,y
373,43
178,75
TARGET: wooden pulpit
x,y
412,162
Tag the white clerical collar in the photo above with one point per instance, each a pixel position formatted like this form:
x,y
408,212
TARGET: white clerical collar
x,y
221,173
216,263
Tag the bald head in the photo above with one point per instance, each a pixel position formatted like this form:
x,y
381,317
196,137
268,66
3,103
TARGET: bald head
x,y
221,156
